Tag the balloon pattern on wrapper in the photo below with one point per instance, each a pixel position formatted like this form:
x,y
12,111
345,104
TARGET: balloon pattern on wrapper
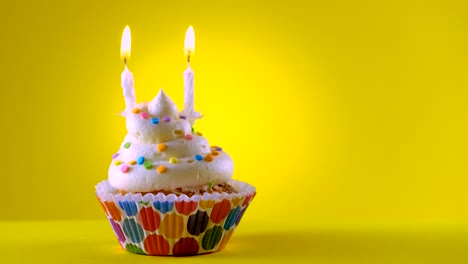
x,y
163,228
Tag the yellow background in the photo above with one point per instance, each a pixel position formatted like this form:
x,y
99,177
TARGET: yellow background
x,y
339,112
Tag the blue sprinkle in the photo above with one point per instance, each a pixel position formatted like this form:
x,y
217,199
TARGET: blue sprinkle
x,y
155,120
198,157
140,160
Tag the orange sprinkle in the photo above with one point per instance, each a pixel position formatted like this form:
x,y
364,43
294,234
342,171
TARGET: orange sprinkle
x,y
215,153
209,158
132,162
136,110
161,147
161,169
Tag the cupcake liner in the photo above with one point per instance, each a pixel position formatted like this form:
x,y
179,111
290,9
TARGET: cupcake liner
x,y
174,225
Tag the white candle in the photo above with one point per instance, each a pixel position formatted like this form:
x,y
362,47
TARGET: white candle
x,y
127,76
188,91
189,49
128,89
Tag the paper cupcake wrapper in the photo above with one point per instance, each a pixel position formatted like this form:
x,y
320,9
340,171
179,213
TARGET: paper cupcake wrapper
x,y
174,225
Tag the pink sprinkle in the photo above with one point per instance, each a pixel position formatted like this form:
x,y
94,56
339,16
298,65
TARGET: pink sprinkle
x,y
166,118
189,136
144,115
124,168
115,155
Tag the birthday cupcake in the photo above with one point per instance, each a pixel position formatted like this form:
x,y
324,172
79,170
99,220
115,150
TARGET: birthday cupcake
x,y
169,191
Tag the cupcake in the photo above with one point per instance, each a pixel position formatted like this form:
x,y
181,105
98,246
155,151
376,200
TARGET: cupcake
x,y
169,192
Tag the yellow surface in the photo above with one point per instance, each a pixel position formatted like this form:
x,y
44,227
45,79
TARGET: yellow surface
x,y
94,242
357,109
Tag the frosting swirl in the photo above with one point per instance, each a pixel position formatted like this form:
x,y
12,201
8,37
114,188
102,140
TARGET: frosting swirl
x,y
161,151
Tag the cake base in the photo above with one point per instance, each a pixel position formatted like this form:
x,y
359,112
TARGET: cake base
x,y
179,225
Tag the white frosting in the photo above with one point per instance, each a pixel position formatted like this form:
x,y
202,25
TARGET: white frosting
x,y
144,136
162,105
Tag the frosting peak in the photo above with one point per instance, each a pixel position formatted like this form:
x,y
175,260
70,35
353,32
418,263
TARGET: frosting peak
x,y
162,105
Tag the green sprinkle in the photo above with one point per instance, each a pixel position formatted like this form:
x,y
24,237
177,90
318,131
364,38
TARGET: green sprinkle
x,y
127,145
193,129
210,185
148,164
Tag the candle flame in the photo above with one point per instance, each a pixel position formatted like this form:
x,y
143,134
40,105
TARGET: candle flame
x,y
126,44
189,47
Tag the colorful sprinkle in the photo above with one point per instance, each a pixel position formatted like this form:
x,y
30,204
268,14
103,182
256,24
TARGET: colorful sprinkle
x,y
198,157
210,185
136,110
124,168
117,162
133,162
166,118
148,165
193,129
173,160
155,121
182,117
115,155
161,169
144,115
140,160
218,149
209,158
127,145
177,132
189,137
215,153
161,147
199,133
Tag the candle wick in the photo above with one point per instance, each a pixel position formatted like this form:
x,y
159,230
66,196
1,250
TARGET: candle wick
x,y
125,61
188,57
